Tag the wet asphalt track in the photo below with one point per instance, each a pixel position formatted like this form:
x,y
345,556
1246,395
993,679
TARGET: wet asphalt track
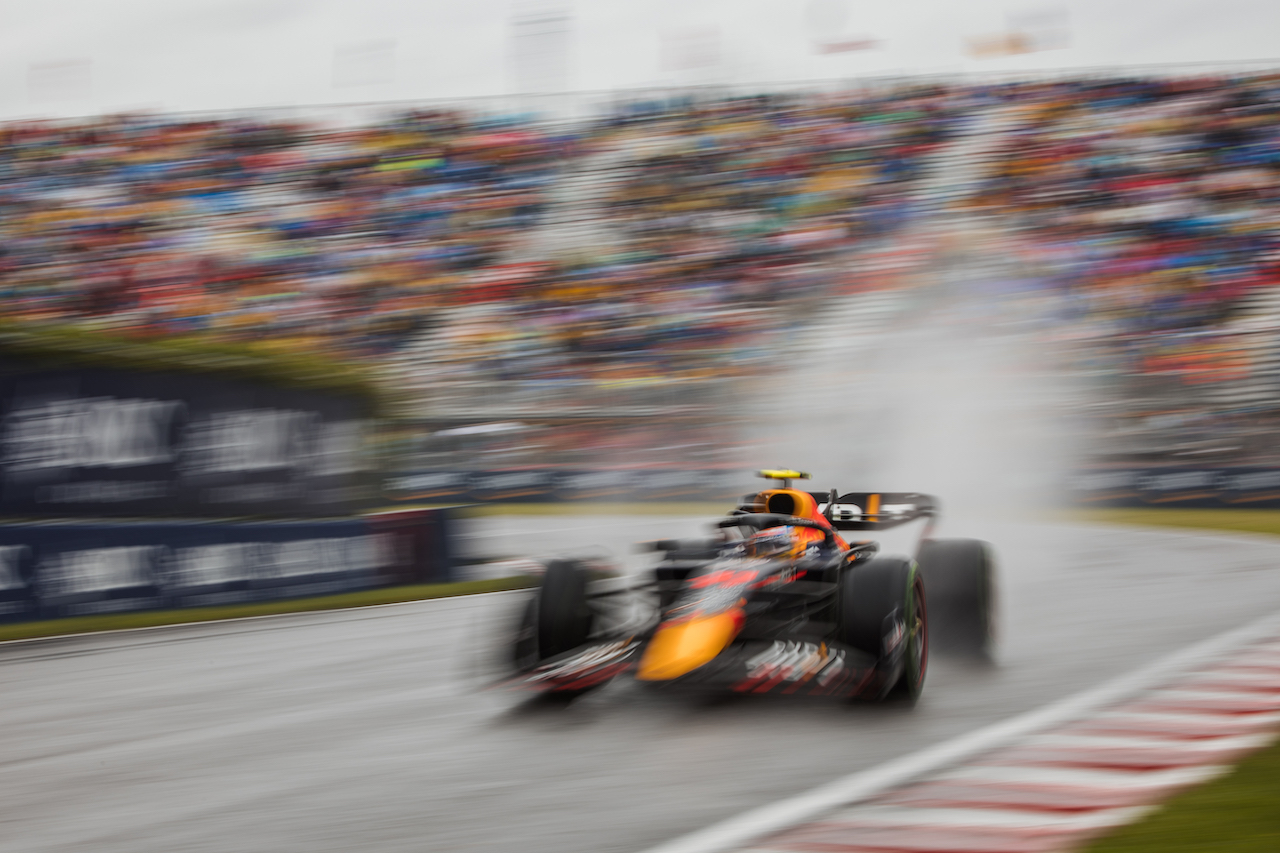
x,y
363,730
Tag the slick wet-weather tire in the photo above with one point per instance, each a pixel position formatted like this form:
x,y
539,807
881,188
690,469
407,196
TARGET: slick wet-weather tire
x,y
960,575
883,613
563,617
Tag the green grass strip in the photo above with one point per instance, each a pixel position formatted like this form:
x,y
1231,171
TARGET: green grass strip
x,y
1243,520
1238,813
156,618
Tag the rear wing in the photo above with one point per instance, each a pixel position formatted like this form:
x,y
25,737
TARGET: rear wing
x,y
876,510
864,510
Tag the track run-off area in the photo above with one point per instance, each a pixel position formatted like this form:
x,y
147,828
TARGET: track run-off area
x,y
372,729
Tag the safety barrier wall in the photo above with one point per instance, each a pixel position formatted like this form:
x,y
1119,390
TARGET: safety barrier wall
x,y
544,485
58,569
1177,487
138,444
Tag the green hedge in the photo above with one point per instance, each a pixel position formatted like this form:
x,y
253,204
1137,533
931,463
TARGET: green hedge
x,y
68,346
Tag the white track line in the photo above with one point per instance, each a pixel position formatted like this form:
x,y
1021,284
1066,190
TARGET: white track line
x,y
860,786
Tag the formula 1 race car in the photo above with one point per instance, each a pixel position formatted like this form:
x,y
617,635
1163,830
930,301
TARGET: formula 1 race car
x,y
775,601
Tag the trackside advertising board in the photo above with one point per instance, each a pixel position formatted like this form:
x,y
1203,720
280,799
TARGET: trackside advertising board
x,y
538,485
73,569
1177,487
83,442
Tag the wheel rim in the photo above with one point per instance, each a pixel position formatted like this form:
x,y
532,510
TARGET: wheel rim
x,y
990,609
918,636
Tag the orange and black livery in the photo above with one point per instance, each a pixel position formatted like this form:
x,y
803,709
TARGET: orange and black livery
x,y
775,599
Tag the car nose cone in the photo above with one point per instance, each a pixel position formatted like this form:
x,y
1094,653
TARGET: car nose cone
x,y
681,647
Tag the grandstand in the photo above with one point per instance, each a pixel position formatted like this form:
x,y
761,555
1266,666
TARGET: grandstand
x,y
616,276
452,250
1151,204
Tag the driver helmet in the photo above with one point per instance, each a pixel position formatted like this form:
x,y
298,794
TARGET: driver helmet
x,y
773,542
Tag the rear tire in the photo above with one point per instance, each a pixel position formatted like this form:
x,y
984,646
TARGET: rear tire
x,y
876,599
960,574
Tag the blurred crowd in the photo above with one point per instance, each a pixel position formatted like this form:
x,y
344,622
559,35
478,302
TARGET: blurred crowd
x,y
1154,206
712,226
1154,201
426,228
238,229
669,242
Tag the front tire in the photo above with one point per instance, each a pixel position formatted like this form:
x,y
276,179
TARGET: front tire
x,y
883,613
